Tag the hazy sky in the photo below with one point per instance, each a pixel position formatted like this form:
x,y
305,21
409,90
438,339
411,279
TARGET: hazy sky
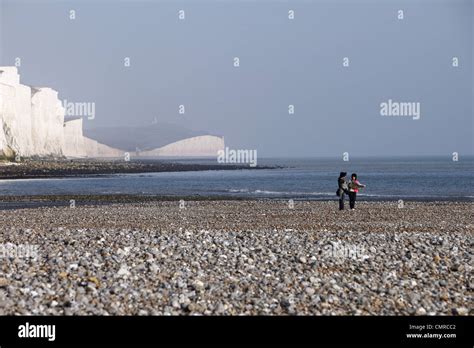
x,y
282,62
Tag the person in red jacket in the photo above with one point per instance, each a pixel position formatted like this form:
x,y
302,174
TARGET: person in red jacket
x,y
354,187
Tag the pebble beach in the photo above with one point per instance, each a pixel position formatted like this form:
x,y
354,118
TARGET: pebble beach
x,y
226,257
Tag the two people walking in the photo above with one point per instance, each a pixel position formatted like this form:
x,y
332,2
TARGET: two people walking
x,y
348,188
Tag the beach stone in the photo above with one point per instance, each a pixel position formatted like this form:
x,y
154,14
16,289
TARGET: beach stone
x,y
274,264
198,285
462,311
421,311
4,282
123,271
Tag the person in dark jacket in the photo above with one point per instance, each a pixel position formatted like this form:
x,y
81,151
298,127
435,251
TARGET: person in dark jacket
x,y
354,187
342,189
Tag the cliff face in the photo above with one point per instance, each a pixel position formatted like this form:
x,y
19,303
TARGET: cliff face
x,y
98,150
47,122
76,145
7,95
145,138
73,139
32,123
200,146
15,108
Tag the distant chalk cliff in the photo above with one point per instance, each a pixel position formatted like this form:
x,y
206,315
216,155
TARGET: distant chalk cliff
x,y
33,124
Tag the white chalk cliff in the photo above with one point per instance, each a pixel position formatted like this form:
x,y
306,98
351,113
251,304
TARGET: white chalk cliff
x,y
15,108
47,119
32,124
200,146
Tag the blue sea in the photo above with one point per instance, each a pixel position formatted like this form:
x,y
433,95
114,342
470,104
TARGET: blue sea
x,y
424,178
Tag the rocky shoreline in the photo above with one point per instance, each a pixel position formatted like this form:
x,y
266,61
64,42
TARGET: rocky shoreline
x,y
239,257
55,168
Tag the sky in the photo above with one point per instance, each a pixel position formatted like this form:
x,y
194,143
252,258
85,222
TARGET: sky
x,y
283,62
